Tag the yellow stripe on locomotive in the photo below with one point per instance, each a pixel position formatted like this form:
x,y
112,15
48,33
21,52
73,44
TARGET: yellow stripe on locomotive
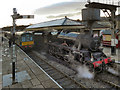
x,y
27,43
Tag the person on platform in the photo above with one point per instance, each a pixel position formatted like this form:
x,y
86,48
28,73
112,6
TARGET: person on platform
x,y
10,42
64,43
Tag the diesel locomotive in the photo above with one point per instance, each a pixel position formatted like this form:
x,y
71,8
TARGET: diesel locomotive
x,y
83,47
24,40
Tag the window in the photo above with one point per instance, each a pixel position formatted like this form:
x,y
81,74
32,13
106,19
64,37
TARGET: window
x,y
30,38
27,37
62,34
23,39
72,35
54,33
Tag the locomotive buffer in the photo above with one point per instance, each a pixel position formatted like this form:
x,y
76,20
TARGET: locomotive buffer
x,y
16,16
112,9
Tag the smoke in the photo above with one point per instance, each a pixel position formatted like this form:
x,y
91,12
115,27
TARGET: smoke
x,y
83,72
111,70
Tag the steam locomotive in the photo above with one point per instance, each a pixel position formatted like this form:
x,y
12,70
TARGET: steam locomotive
x,y
84,48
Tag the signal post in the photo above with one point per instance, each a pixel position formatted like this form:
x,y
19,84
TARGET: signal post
x,y
16,16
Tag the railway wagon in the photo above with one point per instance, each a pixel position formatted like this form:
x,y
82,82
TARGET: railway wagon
x,y
106,38
24,40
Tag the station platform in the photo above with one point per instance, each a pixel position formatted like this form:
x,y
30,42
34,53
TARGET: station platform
x,y
107,51
28,73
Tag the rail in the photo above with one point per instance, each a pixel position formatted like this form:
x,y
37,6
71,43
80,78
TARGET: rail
x,y
61,78
41,68
110,79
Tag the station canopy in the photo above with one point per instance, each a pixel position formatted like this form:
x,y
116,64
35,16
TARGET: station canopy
x,y
63,23
107,32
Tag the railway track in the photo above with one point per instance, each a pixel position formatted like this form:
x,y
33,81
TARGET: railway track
x,y
110,79
103,83
65,81
107,82
61,78
111,83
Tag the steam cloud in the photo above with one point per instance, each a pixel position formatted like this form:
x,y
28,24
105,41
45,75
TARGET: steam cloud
x,y
83,72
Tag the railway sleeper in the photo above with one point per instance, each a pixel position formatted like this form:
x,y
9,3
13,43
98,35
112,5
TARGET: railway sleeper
x,y
59,76
44,66
110,83
52,73
41,64
72,86
49,70
62,80
66,83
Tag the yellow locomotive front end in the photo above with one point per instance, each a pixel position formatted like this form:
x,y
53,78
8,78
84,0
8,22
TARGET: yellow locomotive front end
x,y
26,41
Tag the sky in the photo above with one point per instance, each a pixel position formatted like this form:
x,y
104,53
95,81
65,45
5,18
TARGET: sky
x,y
43,10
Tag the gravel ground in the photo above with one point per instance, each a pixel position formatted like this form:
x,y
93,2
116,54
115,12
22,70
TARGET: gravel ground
x,y
107,51
110,78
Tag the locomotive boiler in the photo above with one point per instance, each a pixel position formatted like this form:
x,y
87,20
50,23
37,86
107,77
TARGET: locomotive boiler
x,y
83,47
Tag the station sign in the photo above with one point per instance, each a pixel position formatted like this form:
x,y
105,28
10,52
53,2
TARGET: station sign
x,y
18,16
26,16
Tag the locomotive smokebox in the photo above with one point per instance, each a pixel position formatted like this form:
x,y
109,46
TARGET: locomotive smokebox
x,y
90,14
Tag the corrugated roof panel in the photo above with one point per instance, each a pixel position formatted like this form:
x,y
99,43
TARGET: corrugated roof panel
x,y
71,22
57,22
109,31
106,31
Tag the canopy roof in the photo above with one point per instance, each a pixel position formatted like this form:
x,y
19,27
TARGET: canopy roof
x,y
108,31
57,24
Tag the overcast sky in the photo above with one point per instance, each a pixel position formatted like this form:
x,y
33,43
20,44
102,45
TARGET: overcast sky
x,y
44,10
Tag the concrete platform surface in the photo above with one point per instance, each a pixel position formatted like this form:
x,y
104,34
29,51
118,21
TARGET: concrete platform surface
x,y
107,51
28,74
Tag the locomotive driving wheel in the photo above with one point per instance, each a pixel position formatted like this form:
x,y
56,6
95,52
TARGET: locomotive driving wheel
x,y
100,68
91,68
50,50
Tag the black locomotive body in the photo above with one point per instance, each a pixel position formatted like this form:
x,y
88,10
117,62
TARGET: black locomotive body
x,y
83,47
